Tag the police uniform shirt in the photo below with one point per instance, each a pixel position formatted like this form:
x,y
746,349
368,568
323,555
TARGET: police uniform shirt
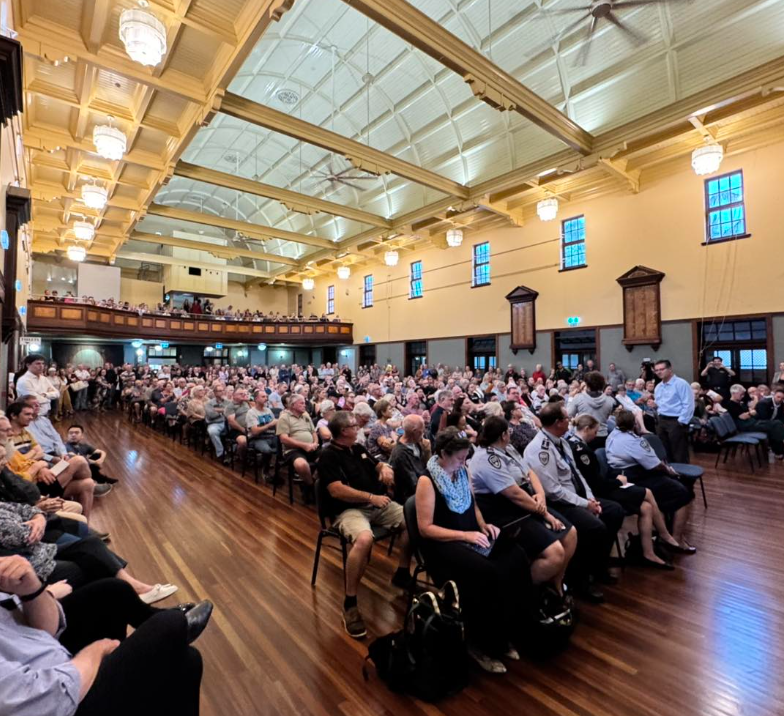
x,y
552,460
493,471
625,449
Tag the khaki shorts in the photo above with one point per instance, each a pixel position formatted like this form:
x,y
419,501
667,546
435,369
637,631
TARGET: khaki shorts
x,y
362,519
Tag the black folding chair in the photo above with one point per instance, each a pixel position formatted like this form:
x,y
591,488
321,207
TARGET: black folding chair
x,y
326,519
690,472
607,471
731,440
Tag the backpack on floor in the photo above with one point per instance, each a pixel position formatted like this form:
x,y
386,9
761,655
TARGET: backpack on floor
x,y
427,658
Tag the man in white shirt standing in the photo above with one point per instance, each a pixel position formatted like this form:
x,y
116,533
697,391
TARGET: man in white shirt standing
x,y
675,403
34,382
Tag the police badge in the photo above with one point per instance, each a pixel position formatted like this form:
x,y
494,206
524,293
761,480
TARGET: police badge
x,y
585,460
495,461
544,457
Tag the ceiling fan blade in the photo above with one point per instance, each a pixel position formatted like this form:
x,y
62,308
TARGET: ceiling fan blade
x,y
633,35
620,4
567,10
563,33
585,50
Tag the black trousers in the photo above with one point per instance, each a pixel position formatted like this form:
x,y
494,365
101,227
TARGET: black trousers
x,y
85,561
675,437
153,672
595,536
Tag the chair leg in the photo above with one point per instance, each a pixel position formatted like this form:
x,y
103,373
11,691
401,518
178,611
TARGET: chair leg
x,y
316,559
291,484
344,550
750,458
718,455
391,544
704,498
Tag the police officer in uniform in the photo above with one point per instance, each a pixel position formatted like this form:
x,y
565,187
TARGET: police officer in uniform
x,y
632,454
597,520
505,490
634,499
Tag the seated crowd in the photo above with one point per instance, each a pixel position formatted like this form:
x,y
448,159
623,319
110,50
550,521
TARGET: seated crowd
x,y
519,484
67,599
197,308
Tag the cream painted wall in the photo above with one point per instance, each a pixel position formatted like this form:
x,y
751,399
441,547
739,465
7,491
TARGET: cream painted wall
x,y
265,298
662,227
136,292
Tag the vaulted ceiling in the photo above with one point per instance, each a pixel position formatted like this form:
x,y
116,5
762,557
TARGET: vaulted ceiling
x,y
303,134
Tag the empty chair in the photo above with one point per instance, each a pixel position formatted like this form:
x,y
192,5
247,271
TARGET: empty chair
x,y
730,440
690,472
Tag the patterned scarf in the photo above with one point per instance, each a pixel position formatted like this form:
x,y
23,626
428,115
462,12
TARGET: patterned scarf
x,y
457,493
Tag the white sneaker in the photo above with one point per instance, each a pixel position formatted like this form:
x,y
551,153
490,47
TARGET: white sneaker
x,y
158,592
492,666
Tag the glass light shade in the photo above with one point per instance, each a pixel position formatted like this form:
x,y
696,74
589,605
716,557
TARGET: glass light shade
x,y
308,284
140,352
83,230
94,196
143,35
109,142
547,209
76,253
454,237
262,346
707,159
391,258
33,347
344,272
137,344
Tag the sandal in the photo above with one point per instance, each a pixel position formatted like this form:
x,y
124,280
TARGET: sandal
x,y
485,662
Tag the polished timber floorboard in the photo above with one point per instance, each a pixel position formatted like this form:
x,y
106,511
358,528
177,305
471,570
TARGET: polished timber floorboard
x,y
705,640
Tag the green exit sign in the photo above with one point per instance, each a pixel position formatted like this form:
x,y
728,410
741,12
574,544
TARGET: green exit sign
x,y
573,321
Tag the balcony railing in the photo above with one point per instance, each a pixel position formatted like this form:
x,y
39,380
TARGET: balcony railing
x,y
67,319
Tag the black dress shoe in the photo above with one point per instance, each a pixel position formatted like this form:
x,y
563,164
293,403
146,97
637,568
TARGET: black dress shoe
x,y
197,619
682,550
591,593
185,607
607,578
667,566
109,480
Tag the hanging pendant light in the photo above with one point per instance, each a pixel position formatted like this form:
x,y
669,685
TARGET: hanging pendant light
x,y
344,272
308,284
94,196
707,159
143,35
76,253
83,230
391,258
454,237
547,209
109,141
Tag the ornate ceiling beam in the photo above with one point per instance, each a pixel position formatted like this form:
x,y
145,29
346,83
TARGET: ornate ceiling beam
x,y
253,230
361,156
488,82
219,250
292,200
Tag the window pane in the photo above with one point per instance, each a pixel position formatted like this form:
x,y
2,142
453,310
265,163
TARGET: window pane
x,y
726,357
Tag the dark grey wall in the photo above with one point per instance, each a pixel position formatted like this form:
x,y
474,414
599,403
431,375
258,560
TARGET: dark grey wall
x,y
778,344
348,355
449,351
542,354
191,355
676,346
394,353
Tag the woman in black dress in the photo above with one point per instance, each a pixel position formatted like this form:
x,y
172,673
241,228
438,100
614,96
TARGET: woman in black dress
x,y
634,499
492,588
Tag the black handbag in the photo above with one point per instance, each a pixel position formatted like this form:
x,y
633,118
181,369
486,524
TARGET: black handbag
x,y
428,657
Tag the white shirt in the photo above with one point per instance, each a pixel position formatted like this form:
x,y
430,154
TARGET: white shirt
x,y
39,386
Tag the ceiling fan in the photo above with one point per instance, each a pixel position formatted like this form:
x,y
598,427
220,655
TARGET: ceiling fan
x,y
345,177
597,11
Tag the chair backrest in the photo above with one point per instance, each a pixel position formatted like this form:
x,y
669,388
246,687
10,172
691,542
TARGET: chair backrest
x,y
610,424
658,446
414,538
601,457
729,422
322,500
719,427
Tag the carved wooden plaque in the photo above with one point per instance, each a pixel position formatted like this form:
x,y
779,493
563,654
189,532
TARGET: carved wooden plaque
x,y
523,317
641,306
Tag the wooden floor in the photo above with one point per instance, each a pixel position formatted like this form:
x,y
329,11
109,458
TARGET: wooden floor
x,y
707,639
